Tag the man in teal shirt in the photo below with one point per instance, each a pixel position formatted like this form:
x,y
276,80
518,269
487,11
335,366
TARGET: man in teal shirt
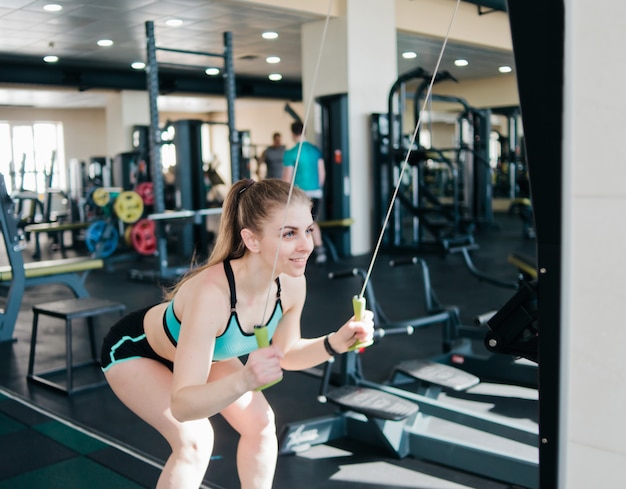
x,y
310,176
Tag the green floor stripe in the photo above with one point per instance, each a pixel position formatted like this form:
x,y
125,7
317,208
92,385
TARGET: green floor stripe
x,y
77,473
69,437
9,425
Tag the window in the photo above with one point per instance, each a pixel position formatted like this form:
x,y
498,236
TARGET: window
x,y
31,155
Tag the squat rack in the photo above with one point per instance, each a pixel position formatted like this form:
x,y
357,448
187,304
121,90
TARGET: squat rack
x,y
154,140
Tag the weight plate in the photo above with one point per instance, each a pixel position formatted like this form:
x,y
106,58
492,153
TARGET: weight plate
x,y
143,237
146,190
101,197
102,238
128,206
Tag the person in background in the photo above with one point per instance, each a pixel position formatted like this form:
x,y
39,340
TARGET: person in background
x,y
310,177
176,363
272,159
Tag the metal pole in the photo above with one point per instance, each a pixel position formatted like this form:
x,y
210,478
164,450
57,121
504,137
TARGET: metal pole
x,y
230,92
154,140
152,82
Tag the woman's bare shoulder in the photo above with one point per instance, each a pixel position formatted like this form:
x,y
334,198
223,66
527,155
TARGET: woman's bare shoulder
x,y
208,287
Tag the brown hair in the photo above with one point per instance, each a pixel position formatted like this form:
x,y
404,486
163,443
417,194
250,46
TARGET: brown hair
x,y
248,205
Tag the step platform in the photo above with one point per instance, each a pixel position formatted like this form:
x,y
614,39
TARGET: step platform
x,y
372,403
436,373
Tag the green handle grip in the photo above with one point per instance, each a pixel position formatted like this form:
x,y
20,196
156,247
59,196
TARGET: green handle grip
x,y
263,340
358,305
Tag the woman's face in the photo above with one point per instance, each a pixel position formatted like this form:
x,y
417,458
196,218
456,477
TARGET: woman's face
x,y
290,232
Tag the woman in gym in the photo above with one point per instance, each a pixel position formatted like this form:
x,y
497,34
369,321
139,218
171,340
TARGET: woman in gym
x,y
176,363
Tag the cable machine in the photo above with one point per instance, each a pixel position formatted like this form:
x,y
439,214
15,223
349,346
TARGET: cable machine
x,y
160,216
472,155
447,191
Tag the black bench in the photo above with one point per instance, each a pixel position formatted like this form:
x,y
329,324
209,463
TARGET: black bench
x,y
53,228
68,310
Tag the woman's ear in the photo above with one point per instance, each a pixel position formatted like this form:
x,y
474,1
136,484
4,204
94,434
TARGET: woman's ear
x,y
250,240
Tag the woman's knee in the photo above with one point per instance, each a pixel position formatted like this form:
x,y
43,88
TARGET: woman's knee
x,y
259,420
194,441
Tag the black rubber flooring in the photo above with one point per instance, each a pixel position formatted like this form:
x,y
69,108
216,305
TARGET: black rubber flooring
x,y
91,440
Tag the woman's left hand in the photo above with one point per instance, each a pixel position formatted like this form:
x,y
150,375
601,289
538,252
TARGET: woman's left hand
x,y
353,331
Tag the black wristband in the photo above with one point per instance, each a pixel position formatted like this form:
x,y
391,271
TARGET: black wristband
x,y
328,347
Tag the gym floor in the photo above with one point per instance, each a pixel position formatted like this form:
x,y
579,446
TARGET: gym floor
x,y
91,440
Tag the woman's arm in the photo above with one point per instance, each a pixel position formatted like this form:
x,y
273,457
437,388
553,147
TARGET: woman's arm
x,y
194,395
301,353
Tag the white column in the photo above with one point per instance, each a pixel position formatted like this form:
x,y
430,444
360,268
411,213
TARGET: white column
x,y
358,58
593,451
125,110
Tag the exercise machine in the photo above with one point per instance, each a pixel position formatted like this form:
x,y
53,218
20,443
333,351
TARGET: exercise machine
x,y
17,276
401,420
155,139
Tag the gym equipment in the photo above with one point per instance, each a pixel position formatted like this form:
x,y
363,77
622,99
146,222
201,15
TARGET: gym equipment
x,y
128,206
70,272
100,196
463,345
262,339
422,219
401,420
57,230
88,308
482,276
146,191
143,237
155,140
166,270
514,329
102,238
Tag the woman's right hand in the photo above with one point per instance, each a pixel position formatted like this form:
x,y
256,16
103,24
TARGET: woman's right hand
x,y
263,367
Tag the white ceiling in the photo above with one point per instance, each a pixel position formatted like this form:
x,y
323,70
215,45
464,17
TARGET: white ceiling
x,y
72,34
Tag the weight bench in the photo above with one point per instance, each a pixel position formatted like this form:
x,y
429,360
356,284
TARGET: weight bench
x,y
17,276
56,228
88,308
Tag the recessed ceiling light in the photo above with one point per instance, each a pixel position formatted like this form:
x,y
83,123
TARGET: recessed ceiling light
x,y
51,59
174,22
272,60
212,71
275,77
461,62
105,43
138,65
409,55
269,35
52,7
505,69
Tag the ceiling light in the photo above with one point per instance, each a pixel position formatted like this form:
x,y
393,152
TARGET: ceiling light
x,y
212,71
105,43
409,55
269,35
174,22
138,65
275,76
272,60
52,7
461,62
51,59
505,69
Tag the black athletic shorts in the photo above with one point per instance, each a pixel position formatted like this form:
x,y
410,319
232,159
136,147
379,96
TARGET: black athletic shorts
x,y
127,340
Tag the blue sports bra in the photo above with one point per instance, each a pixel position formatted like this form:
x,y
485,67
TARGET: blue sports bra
x,y
234,341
